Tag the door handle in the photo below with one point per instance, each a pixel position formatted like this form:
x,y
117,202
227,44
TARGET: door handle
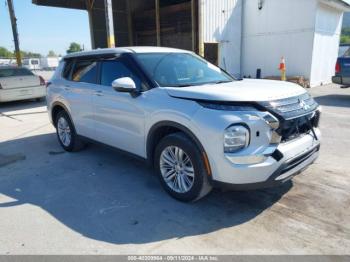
x,y
99,93
67,88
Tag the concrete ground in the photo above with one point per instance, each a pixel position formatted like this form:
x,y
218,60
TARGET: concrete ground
x,y
99,201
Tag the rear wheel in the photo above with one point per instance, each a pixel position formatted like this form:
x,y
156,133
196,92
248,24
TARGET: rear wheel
x,y
66,134
181,169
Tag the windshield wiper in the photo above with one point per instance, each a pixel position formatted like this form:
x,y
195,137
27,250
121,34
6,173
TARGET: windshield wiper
x,y
184,85
222,82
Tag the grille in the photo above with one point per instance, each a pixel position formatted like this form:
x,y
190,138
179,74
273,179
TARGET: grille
x,y
293,107
297,115
291,129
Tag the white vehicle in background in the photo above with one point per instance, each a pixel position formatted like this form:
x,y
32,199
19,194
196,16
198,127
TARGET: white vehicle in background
x,y
4,61
32,63
19,83
49,63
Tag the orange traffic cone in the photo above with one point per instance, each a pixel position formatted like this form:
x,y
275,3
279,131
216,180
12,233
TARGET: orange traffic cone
x,y
283,69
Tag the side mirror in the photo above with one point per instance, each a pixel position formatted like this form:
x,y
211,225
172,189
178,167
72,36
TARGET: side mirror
x,y
124,84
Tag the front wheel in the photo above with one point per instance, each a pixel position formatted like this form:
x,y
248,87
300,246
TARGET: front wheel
x,y
181,169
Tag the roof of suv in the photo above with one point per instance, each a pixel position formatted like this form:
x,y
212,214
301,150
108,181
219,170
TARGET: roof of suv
x,y
121,50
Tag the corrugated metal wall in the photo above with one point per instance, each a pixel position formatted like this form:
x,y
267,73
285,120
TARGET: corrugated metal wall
x,y
221,23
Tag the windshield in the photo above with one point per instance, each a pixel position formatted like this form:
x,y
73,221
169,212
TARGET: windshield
x,y
181,69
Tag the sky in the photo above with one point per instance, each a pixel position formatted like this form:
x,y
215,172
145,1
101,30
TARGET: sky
x,y
42,29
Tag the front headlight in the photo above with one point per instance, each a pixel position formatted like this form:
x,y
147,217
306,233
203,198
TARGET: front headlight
x,y
236,137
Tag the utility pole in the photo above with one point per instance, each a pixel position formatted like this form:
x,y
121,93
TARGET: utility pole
x,y
14,31
109,23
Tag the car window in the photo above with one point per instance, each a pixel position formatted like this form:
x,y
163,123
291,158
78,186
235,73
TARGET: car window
x,y
34,62
347,52
113,69
9,72
67,69
85,71
181,69
23,72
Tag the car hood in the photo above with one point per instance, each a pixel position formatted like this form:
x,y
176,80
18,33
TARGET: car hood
x,y
247,90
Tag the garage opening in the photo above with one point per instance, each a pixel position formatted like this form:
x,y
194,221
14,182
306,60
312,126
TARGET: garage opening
x,y
211,52
171,23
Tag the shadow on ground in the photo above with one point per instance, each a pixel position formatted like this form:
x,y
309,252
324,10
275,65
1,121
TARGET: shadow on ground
x,y
20,105
110,197
334,100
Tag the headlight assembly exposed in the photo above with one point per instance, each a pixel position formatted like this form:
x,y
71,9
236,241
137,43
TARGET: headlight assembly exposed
x,y
272,121
236,137
274,124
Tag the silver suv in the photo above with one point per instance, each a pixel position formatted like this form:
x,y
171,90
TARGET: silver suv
x,y
197,125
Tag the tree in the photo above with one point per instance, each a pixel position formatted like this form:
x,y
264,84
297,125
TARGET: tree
x,y
5,53
25,54
345,36
51,54
74,47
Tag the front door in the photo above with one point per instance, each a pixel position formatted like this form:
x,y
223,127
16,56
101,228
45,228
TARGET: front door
x,y
119,117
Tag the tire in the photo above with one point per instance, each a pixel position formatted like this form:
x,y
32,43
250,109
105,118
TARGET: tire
x,y
65,128
187,178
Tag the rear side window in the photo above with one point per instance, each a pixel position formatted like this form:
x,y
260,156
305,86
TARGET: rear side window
x,y
67,69
9,72
85,71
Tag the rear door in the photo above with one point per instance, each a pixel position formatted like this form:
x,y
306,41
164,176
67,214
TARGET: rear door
x,y
344,63
78,88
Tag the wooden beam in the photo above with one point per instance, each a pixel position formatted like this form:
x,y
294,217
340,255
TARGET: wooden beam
x,y
89,6
157,22
193,18
130,27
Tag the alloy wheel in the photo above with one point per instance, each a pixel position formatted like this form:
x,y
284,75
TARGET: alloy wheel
x,y
177,169
64,131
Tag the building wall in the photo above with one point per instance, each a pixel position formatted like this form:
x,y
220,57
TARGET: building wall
x,y
221,23
281,28
326,44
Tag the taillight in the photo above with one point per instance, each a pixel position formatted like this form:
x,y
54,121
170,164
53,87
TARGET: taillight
x,y
42,81
337,67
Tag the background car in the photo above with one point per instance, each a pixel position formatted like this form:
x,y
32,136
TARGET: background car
x,y
342,67
19,83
